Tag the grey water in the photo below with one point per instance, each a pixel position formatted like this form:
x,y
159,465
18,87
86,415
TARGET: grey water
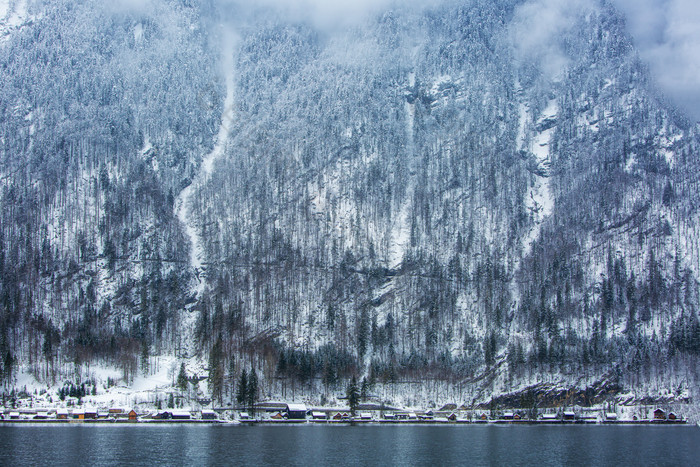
x,y
104,445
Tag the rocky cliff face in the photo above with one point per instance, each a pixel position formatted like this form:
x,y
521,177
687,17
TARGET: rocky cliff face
x,y
469,193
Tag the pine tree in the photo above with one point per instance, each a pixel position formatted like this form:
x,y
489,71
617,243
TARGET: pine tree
x,y
216,371
364,389
353,395
242,393
144,358
363,334
182,378
232,377
252,390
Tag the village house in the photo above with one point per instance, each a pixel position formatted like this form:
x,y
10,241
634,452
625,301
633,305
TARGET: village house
x,y
296,411
659,414
181,415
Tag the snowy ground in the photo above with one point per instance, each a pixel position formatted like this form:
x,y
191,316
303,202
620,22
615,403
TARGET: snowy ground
x,y
183,203
13,14
539,201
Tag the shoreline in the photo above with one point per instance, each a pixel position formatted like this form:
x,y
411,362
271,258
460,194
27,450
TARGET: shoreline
x,y
347,422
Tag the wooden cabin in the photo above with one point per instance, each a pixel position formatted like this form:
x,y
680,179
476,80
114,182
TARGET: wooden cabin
x,y
296,411
319,415
569,416
517,416
181,415
452,417
483,416
277,416
79,414
508,416
90,413
62,414
162,416
208,414
132,415
672,416
659,414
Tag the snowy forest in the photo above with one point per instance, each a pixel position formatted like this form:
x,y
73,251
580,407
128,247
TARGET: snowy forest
x,y
429,197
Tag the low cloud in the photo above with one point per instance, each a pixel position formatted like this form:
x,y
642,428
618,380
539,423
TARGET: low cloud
x,y
667,35
324,14
537,29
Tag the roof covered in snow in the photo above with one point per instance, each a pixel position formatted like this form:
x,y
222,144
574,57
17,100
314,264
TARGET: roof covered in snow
x,y
296,407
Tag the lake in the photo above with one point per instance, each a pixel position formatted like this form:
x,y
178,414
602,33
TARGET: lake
x,y
348,445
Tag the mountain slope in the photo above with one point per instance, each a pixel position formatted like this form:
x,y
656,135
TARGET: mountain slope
x,y
454,193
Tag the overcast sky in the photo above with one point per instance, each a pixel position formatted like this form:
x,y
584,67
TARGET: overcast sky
x,y
667,35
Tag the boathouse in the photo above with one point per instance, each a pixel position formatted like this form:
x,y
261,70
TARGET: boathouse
x,y
672,416
62,414
659,414
296,411
208,414
181,415
318,415
569,416
79,414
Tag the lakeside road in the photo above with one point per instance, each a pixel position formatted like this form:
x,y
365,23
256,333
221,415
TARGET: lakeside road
x,y
439,422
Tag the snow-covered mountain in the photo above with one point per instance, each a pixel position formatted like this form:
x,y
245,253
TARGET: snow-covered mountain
x,y
454,201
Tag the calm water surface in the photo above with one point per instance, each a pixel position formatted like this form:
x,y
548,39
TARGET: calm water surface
x,y
348,445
